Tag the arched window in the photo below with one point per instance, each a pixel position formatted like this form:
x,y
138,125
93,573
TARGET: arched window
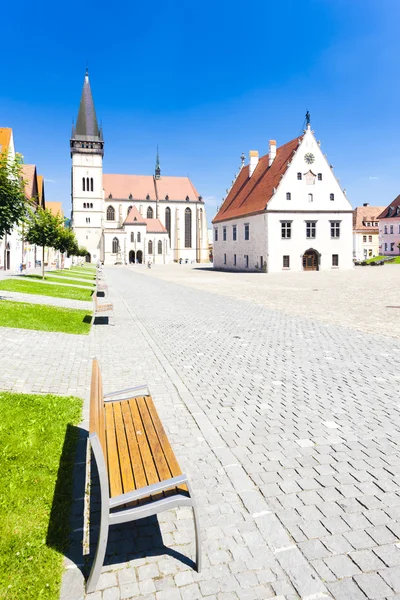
x,y
84,205
168,221
91,184
159,247
87,184
91,205
83,184
188,228
110,213
115,245
129,210
138,237
132,237
150,213
310,197
150,247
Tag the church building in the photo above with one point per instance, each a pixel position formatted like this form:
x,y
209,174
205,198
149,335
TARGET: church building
x,y
285,211
124,219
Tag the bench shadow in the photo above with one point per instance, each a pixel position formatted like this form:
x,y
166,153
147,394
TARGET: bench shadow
x,y
126,542
102,320
101,294
87,319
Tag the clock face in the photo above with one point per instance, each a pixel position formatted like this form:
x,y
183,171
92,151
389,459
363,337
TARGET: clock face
x,y
309,158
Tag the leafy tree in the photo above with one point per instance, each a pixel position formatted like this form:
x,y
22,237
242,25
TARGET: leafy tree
x,y
13,204
66,241
43,229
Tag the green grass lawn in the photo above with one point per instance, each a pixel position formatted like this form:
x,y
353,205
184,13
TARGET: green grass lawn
x,y
69,273
44,318
44,289
37,451
62,280
396,260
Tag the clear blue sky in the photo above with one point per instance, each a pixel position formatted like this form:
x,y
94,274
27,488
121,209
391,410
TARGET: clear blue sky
x,y
207,80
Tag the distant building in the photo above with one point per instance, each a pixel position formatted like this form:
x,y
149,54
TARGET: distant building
x,y
285,211
389,229
366,231
130,218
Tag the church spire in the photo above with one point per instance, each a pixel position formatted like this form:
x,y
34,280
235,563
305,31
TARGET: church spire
x,y
86,124
158,169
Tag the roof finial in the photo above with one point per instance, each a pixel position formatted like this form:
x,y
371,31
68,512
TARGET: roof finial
x,y
308,119
158,169
242,158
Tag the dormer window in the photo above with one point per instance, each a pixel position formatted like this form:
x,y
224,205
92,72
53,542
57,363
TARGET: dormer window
x,y
110,196
130,197
200,198
187,198
167,197
148,197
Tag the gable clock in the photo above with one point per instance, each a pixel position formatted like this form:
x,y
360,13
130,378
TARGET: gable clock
x,y
309,158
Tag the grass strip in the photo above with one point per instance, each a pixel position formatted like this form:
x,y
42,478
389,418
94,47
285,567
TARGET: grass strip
x,y
38,437
43,317
62,280
67,273
44,289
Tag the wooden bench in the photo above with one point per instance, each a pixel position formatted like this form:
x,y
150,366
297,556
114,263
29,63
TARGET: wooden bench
x,y
100,308
100,285
139,474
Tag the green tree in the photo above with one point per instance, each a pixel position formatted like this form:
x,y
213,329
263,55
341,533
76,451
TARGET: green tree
x,y
43,229
66,241
13,206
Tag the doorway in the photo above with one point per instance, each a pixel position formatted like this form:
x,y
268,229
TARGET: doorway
x,y
88,258
132,257
139,256
311,260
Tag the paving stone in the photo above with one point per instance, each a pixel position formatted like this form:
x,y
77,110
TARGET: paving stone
x,y
346,589
392,577
373,585
366,560
341,566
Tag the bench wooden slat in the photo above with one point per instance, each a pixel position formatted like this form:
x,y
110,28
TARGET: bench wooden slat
x,y
155,446
96,417
134,452
114,473
123,452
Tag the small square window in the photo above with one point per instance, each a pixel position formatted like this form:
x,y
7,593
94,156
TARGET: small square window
x,y
299,176
319,176
286,261
247,231
288,196
331,196
234,233
370,238
224,234
335,260
234,260
364,238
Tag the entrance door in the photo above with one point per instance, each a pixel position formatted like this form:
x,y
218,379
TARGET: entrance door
x,y
139,256
132,256
88,258
310,260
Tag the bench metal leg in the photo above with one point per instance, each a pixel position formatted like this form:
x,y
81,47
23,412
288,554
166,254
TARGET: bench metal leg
x,y
99,557
196,528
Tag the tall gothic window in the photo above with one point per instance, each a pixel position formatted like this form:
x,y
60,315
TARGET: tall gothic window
x,y
168,221
132,237
188,228
91,184
129,210
138,237
149,213
115,245
83,184
110,213
87,184
160,247
150,247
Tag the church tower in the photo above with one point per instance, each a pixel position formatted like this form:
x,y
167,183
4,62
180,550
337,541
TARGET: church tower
x,y
87,150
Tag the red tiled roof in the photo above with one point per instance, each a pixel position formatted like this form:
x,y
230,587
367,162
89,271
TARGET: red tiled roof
x,y
155,226
391,211
361,214
250,195
140,186
134,217
30,179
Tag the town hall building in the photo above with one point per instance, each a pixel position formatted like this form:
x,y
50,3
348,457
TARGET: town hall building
x,y
285,211
124,219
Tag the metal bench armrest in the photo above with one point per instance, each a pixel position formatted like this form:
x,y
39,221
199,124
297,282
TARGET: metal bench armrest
x,y
139,390
149,490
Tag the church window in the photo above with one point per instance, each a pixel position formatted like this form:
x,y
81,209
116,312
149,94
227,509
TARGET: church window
x,y
319,176
91,184
288,196
110,213
129,210
331,196
150,246
87,184
115,245
159,247
132,237
84,205
188,228
91,205
168,221
150,213
310,198
83,184
299,176
138,237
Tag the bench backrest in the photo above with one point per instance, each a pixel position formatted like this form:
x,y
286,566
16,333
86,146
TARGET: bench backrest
x,y
97,411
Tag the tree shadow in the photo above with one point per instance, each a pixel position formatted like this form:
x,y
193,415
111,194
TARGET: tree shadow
x,y
126,542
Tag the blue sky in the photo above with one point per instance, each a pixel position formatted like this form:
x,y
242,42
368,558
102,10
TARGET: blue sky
x,y
206,81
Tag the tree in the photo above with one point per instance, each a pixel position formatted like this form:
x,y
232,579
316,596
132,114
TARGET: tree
x,y
43,229
12,193
66,241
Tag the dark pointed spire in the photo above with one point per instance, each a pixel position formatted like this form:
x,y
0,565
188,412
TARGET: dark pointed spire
x,y
158,169
86,123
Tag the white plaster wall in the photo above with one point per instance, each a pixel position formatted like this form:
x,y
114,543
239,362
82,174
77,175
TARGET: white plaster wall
x,y
359,246
255,247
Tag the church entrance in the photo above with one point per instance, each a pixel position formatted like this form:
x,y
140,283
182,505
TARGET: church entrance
x,y
132,257
311,260
88,258
139,256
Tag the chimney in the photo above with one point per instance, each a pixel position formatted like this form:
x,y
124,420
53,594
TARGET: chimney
x,y
253,161
366,204
272,151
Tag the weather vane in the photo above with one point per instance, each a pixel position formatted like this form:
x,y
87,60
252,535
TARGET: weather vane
x,y
308,118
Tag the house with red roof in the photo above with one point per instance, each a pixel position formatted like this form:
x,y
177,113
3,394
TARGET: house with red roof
x,y
124,218
285,211
389,229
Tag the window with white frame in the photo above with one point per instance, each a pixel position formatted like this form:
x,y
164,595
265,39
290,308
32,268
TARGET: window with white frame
x,y
370,238
286,229
224,234
247,231
311,229
364,238
288,196
299,176
319,176
234,233
286,261
386,247
331,196
216,235
386,230
335,229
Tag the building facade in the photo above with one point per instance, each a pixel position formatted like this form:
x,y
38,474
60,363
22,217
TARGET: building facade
x,y
285,211
366,231
389,229
170,215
